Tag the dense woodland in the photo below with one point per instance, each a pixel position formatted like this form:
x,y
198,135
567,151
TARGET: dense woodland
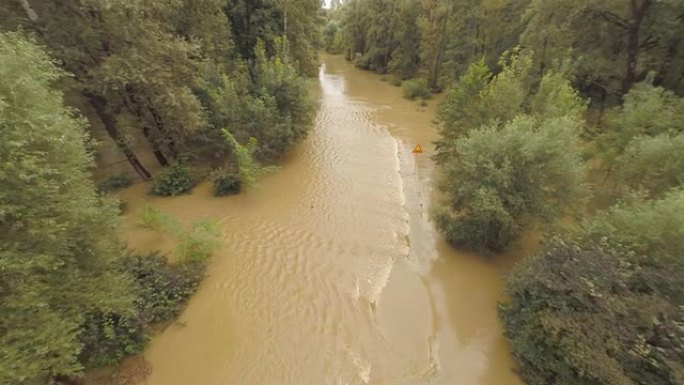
x,y
214,87
561,117
565,118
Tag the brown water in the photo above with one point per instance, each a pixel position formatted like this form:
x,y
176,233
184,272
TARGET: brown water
x,y
331,272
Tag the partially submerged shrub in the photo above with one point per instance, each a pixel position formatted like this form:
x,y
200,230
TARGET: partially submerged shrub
x,y
416,88
115,182
226,183
200,242
172,181
505,179
195,244
161,291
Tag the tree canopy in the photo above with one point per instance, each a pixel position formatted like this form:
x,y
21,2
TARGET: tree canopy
x,y
60,251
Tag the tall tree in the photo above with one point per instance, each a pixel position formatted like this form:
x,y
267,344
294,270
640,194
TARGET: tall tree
x,y
613,43
59,250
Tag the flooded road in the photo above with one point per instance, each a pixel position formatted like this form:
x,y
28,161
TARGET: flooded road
x,y
330,271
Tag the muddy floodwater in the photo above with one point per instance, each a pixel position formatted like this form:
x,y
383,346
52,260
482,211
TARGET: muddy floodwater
x,y
331,272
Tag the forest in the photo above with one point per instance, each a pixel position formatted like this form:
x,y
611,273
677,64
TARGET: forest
x,y
218,89
560,118
565,118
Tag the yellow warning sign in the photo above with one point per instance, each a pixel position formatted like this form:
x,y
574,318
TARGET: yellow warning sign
x,y
418,149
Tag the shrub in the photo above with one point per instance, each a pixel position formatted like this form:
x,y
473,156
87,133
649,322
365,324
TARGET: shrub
x,y
114,183
225,183
362,61
198,243
161,292
416,88
193,245
604,305
396,81
173,180
504,179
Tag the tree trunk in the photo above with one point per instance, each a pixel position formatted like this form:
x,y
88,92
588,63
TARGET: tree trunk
x,y
161,158
160,126
434,73
639,13
99,104
134,107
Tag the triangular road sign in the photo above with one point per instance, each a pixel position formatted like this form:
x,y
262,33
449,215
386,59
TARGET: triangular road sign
x,y
418,149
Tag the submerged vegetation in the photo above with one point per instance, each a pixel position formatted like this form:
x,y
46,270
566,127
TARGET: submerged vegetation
x,y
565,116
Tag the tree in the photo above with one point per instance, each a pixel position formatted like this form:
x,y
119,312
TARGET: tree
x,y
129,66
503,179
478,99
434,24
646,111
603,305
59,251
405,59
462,109
613,44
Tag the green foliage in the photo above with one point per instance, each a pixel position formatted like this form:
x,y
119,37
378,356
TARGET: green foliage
x,y
248,168
225,183
652,164
193,245
607,47
505,178
610,44
332,38
174,180
114,183
556,98
462,108
416,88
153,219
59,249
278,85
605,306
647,111
161,292
479,99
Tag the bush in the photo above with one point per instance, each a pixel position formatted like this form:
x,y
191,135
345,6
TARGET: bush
x,y
605,305
587,314
396,81
172,181
226,183
416,88
161,292
115,182
200,242
504,179
362,61
193,245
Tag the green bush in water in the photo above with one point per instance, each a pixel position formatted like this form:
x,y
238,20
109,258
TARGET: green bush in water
x,y
195,244
161,292
172,181
114,183
416,88
225,183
